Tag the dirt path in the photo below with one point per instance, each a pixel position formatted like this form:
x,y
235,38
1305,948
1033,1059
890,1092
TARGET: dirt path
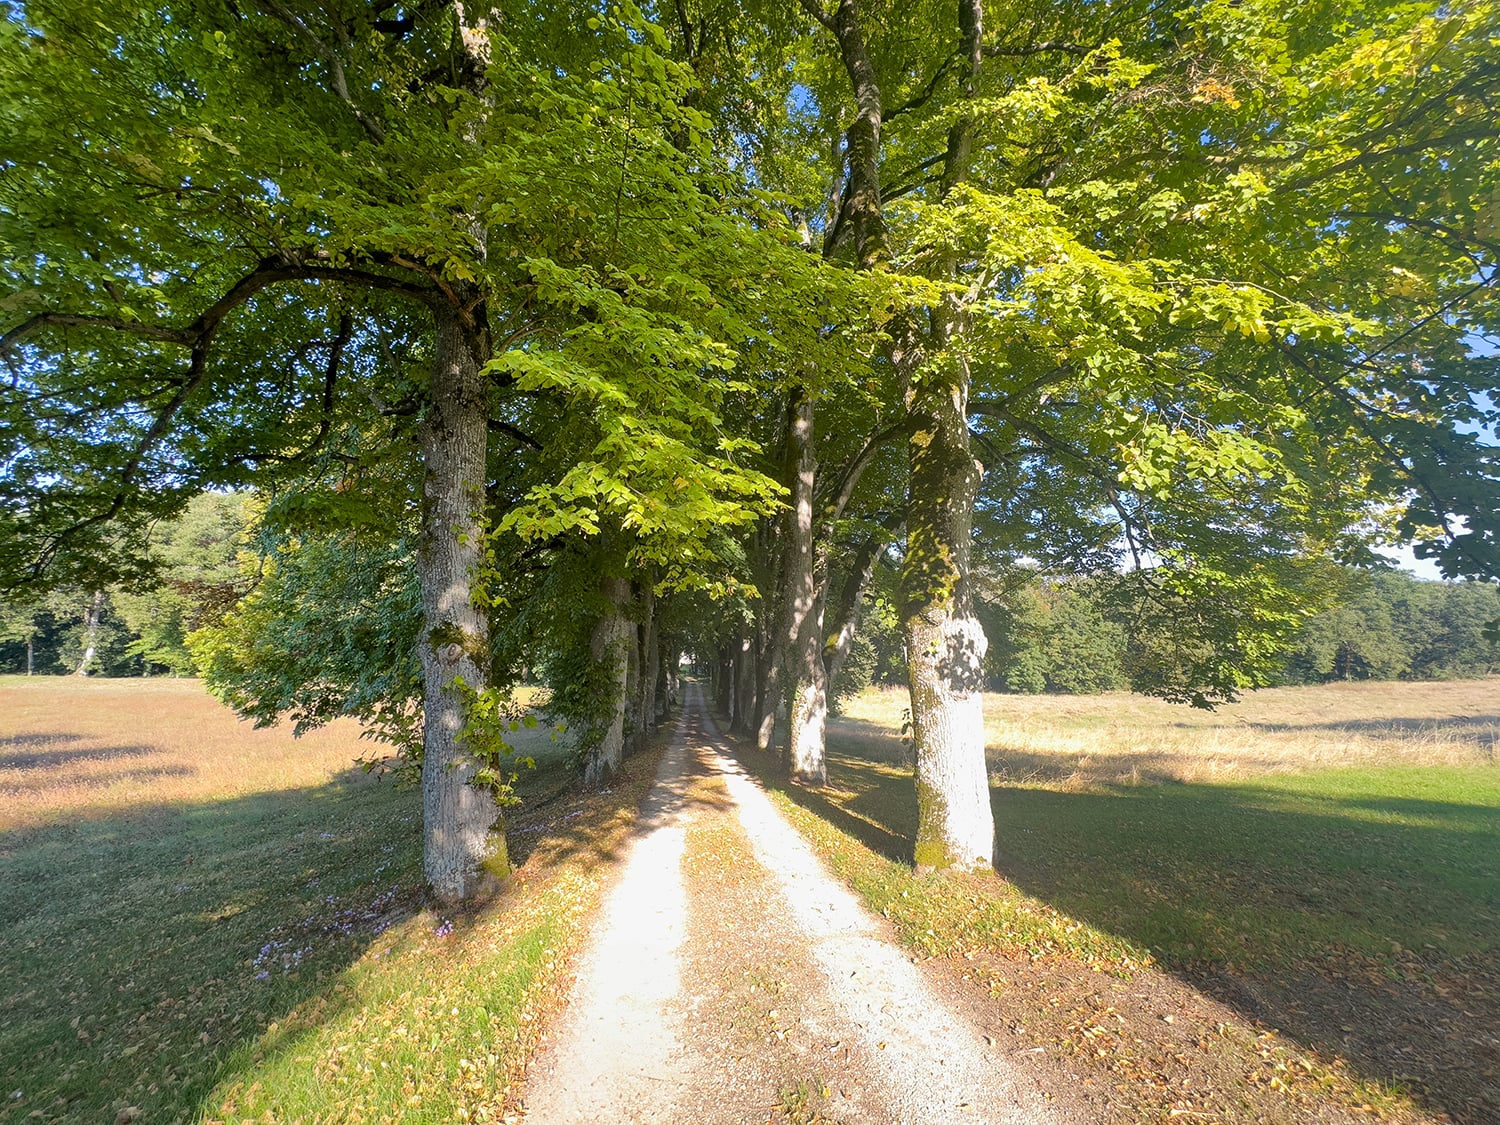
x,y
731,979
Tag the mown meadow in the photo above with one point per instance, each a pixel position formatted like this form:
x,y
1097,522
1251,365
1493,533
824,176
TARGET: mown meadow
x,y
202,921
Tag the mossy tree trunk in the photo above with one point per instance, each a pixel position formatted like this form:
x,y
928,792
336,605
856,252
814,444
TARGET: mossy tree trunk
x,y
464,850
610,647
650,661
803,600
945,643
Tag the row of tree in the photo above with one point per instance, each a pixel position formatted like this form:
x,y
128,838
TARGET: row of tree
x,y
1069,636
557,341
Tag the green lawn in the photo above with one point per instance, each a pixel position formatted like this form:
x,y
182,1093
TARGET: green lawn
x,y
1274,871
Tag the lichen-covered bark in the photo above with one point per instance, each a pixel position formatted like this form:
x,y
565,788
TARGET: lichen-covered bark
x,y
766,549
609,646
806,725
802,593
944,641
464,850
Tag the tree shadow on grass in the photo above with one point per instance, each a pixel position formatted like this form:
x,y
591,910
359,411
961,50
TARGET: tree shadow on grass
x,y
64,755
144,948
1358,919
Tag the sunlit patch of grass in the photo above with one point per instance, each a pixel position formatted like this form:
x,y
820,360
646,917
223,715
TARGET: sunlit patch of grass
x,y
1121,739
431,1024
241,934
1276,871
937,915
74,749
1386,839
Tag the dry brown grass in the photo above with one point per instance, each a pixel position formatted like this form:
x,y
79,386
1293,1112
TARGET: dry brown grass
x,y
1080,741
74,748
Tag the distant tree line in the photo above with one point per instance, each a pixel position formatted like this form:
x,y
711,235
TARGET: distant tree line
x,y
200,565
1075,636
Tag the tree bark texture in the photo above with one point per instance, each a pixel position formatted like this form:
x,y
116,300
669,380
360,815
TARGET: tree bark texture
x,y
724,682
768,657
671,686
635,656
610,645
802,596
464,849
847,612
744,685
864,207
945,644
650,661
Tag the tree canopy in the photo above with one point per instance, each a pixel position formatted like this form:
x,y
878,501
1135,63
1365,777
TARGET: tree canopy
x,y
535,315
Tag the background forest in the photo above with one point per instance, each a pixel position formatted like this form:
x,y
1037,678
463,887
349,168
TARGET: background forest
x,y
1052,634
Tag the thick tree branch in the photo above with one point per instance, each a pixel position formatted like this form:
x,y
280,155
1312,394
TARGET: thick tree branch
x,y
198,337
919,100
515,432
846,611
336,79
848,479
814,9
1465,240
9,340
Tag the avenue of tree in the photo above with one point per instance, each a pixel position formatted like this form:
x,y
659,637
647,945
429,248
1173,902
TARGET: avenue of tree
x,y
562,339
1068,635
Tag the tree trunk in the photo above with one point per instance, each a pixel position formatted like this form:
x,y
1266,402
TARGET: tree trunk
x,y
650,669
850,600
768,657
768,687
724,682
945,643
632,644
671,676
744,685
93,618
609,645
865,208
802,602
464,852
807,720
